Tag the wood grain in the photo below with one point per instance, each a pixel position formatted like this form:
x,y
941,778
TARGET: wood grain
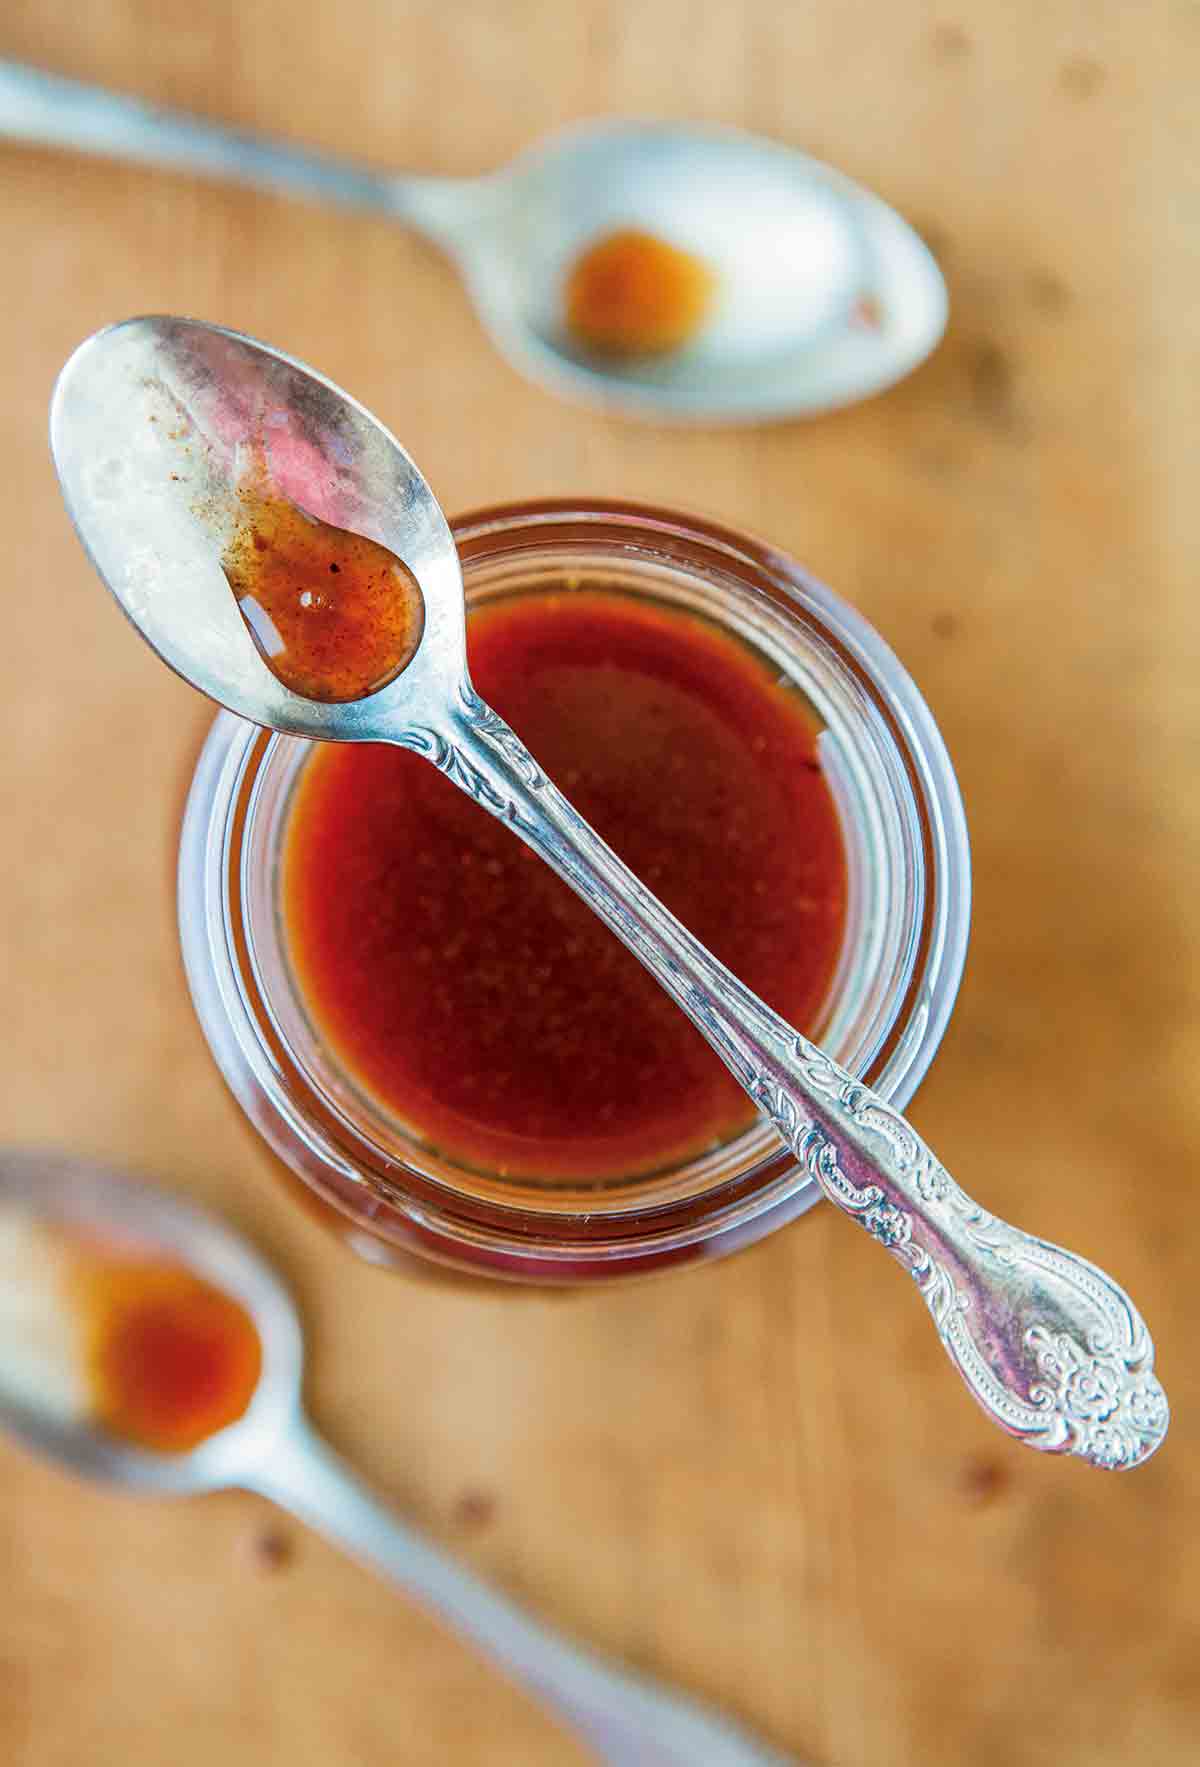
x,y
757,1481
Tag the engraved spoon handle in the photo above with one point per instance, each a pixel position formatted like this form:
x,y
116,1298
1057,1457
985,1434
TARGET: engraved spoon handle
x,y
1051,1347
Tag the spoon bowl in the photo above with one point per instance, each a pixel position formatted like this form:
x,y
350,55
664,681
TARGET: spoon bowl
x,y
794,248
161,416
82,1197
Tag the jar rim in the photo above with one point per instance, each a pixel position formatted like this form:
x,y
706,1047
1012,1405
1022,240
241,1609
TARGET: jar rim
x,y
508,1239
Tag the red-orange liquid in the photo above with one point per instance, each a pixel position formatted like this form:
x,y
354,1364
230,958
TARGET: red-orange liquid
x,y
633,294
171,1359
471,992
334,615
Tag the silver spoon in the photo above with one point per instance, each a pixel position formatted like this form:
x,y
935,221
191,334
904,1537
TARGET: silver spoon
x,y
795,246
150,425
273,1449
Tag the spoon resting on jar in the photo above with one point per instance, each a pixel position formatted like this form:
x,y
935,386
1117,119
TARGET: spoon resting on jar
x,y
185,453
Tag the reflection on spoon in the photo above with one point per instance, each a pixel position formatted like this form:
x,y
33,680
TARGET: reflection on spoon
x,y
185,1377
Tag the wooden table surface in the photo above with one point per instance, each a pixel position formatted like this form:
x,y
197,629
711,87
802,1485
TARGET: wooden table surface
x,y
757,1481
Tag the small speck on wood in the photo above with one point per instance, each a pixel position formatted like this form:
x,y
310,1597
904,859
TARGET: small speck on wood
x,y
1047,294
949,42
1081,77
474,1509
270,1549
983,1481
992,378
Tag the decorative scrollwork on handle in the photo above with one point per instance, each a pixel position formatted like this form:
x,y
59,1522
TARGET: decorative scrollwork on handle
x,y
1050,1346
452,758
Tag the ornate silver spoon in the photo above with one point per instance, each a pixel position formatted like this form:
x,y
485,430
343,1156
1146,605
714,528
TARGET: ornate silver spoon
x,y
152,424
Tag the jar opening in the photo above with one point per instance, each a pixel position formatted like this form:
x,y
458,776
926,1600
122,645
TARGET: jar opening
x,y
892,990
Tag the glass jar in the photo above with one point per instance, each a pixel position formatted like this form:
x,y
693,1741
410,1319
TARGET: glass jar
x,y
895,985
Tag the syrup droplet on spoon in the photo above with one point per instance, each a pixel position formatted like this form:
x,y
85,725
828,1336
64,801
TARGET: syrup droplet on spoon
x,y
171,1359
335,616
633,294
115,1334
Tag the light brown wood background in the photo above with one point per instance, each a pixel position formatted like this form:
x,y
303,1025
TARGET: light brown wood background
x,y
758,1481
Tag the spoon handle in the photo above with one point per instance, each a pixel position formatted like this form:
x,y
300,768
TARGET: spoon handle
x,y
1050,1346
44,108
623,1718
